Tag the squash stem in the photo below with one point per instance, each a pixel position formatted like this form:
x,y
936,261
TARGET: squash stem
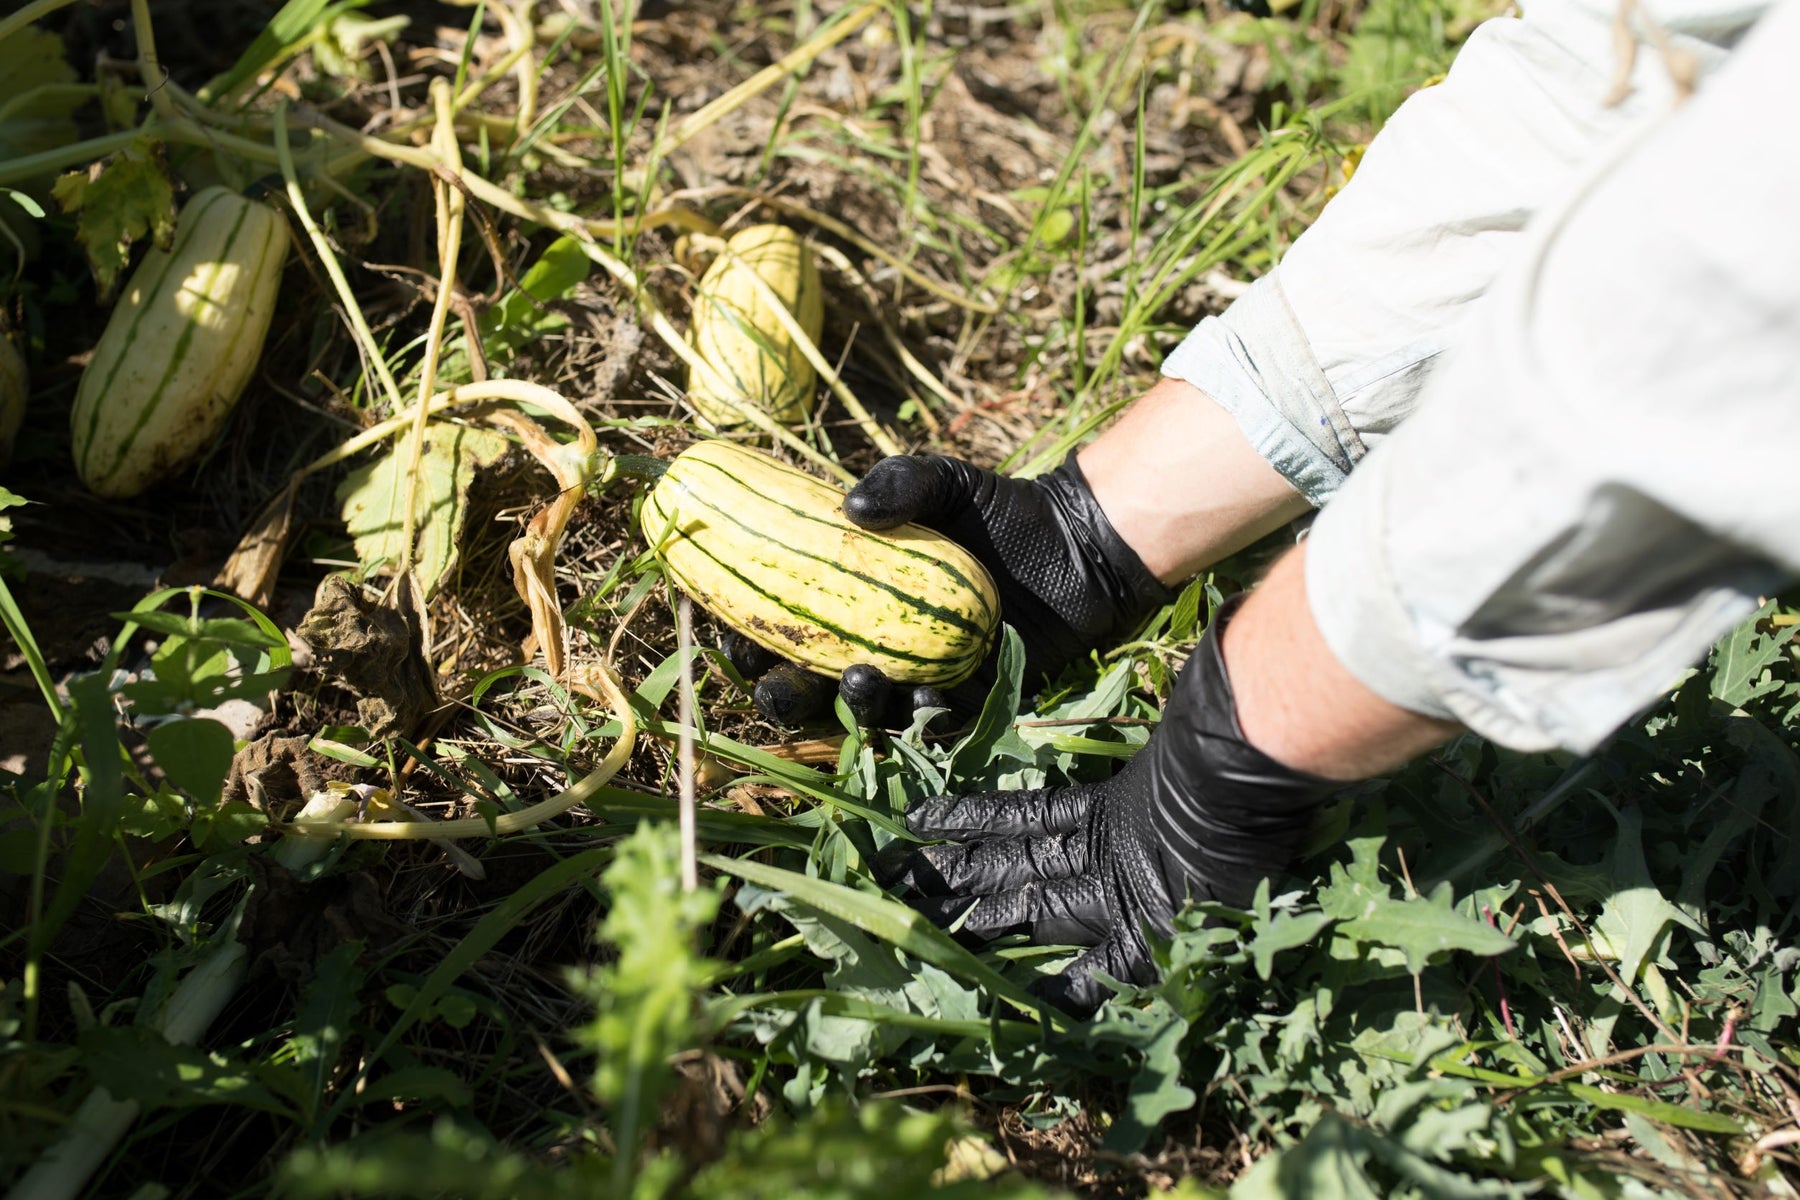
x,y
645,467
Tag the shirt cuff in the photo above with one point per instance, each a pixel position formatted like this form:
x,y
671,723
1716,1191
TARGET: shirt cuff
x,y
1255,362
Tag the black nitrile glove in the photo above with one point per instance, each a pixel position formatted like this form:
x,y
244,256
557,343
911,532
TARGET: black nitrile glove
x,y
788,694
1067,580
1198,814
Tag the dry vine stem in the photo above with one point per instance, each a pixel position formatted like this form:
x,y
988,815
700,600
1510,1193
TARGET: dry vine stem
x,y
449,224
533,556
583,681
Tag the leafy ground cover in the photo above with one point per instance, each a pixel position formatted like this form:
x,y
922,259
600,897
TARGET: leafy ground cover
x,y
1490,975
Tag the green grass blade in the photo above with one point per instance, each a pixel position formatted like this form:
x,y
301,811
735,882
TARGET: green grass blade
x,y
886,920
487,933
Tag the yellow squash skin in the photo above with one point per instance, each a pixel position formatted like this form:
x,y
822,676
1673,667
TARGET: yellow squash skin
x,y
15,385
180,346
767,549
735,330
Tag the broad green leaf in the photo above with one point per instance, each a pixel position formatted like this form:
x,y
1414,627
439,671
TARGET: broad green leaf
x,y
1423,926
520,317
1742,662
879,917
1634,916
864,969
118,203
1657,1110
226,826
1355,888
372,497
1156,1090
139,1064
268,635
990,736
194,673
35,94
195,753
1286,931
1184,614
154,817
224,630
1330,1163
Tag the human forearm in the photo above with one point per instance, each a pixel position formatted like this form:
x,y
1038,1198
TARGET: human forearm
x,y
1297,703
1182,485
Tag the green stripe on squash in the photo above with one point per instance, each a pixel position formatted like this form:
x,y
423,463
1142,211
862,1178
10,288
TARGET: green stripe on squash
x,y
179,348
767,549
734,330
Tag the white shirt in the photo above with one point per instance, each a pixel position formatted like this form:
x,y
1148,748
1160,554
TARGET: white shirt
x,y
1562,334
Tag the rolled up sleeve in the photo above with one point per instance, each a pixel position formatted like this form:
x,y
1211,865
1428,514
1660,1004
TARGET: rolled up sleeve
x,y
1598,483
1324,357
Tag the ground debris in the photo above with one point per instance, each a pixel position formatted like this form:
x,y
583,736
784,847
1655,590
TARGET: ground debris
x,y
372,651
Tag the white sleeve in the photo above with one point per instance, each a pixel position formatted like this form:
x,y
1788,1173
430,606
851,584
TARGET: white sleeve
x,y
1327,354
1600,480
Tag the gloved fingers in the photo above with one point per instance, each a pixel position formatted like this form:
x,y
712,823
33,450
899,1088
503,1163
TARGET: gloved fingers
x,y
993,865
1070,912
783,692
1077,990
868,693
789,694
750,660
877,702
1001,814
910,487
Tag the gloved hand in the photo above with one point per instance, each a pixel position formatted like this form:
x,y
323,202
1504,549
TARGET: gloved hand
x,y
1198,814
1067,580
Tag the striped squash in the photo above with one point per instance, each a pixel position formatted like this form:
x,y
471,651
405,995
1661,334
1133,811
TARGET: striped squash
x,y
735,331
180,346
15,385
767,549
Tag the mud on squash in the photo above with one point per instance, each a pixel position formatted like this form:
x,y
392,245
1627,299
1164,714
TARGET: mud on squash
x,y
767,549
180,346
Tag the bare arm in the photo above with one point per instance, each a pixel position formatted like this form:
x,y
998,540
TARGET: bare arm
x,y
1181,483
1301,706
